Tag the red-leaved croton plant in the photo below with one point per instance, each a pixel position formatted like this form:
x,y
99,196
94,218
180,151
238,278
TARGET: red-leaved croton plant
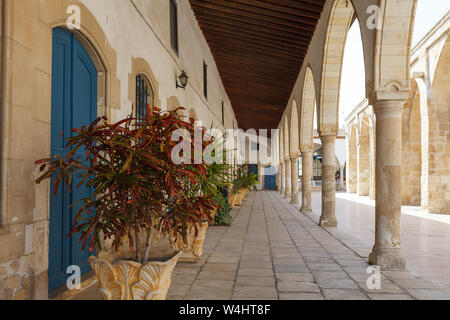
x,y
136,185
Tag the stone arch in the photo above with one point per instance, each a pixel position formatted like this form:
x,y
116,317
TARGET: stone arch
x,y
339,22
363,160
439,136
141,66
411,150
307,111
281,136
294,132
286,139
193,114
392,51
173,103
92,37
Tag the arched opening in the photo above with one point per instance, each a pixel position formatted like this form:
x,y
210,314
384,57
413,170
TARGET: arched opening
x,y
352,162
294,136
307,112
439,136
363,188
317,167
353,77
76,82
411,150
340,20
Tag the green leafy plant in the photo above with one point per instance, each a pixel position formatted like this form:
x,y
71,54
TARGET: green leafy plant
x,y
244,179
223,216
137,187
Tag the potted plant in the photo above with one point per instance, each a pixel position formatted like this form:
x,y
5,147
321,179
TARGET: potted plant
x,y
210,184
137,190
243,182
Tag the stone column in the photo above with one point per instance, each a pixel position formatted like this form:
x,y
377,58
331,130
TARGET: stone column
x,y
328,217
283,172
278,178
341,178
287,189
306,180
294,180
372,160
386,252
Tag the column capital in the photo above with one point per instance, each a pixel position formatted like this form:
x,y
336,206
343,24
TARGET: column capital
x,y
306,148
388,108
392,90
327,138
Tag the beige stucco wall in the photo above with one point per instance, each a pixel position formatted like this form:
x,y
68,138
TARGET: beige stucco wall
x,y
128,37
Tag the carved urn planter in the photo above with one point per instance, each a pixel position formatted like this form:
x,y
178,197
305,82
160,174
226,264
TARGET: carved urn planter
x,y
240,197
213,214
193,247
231,200
129,280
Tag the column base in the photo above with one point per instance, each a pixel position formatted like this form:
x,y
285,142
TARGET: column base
x,y
294,200
306,209
387,258
328,222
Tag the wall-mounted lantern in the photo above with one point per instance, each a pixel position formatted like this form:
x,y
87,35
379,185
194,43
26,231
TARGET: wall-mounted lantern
x,y
183,80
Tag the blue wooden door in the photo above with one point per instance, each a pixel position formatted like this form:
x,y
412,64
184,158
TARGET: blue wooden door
x,y
74,104
270,178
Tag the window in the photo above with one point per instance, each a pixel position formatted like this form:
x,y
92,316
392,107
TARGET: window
x,y
300,167
317,165
174,25
205,79
223,114
144,96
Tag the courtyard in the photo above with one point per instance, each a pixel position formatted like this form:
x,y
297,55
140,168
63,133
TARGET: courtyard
x,y
273,251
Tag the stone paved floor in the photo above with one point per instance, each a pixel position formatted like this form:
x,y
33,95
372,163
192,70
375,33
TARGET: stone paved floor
x,y
425,237
272,251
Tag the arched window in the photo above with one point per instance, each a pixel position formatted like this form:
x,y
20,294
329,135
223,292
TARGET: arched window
x,y
317,165
144,96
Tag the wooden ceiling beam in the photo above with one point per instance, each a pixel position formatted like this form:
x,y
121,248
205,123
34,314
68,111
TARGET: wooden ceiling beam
x,y
250,15
248,26
260,37
307,14
263,14
237,51
223,39
201,12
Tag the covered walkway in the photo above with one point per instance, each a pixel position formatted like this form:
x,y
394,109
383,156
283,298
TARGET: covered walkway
x,y
273,251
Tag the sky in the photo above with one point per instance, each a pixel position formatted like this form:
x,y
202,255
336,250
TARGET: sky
x,y
428,13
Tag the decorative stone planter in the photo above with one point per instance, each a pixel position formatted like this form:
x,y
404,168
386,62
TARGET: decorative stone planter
x,y
231,200
130,280
193,249
213,214
240,197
